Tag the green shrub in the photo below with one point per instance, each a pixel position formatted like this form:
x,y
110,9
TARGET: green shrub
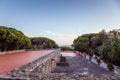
x,y
67,48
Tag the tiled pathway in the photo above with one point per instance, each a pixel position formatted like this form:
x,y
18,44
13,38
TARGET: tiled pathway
x,y
81,65
9,62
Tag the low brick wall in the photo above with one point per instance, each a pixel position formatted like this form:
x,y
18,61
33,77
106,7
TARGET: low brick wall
x,y
11,52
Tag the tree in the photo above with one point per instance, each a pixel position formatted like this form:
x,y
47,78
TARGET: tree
x,y
114,53
42,43
104,44
84,43
12,39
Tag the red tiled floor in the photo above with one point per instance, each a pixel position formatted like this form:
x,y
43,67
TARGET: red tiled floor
x,y
9,62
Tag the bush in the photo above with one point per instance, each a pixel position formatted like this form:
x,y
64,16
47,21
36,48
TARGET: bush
x,y
66,48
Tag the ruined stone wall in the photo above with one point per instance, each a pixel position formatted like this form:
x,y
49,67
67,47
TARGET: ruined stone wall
x,y
61,76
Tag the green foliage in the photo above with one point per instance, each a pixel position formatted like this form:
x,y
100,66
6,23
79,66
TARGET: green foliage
x,y
66,48
103,44
83,43
12,39
43,43
114,53
103,52
101,49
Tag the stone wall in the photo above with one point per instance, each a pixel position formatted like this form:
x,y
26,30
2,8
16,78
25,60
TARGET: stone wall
x,y
43,65
61,76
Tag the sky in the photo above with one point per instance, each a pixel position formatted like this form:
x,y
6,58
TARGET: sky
x,y
60,20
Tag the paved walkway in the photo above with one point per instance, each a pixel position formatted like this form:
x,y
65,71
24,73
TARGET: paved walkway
x,y
80,64
9,62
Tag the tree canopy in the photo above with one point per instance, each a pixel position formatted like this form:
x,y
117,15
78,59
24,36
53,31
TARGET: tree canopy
x,y
42,43
83,43
12,39
104,44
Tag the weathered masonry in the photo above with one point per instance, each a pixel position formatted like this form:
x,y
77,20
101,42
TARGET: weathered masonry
x,y
43,65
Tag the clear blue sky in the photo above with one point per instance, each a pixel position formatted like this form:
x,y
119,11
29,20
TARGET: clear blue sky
x,y
61,20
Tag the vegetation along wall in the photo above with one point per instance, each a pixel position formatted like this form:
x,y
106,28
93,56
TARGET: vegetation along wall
x,y
105,45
